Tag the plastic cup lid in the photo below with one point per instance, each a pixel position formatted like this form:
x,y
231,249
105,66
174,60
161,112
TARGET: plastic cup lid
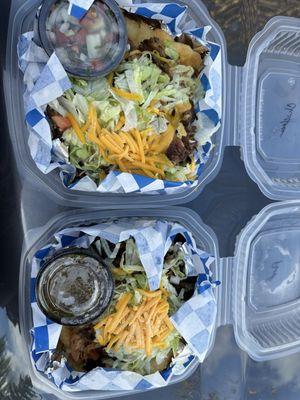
x,y
74,287
87,48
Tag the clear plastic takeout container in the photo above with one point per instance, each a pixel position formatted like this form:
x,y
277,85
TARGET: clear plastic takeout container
x,y
260,114
38,238
260,293
22,21
260,286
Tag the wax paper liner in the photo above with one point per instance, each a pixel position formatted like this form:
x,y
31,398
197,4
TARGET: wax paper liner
x,y
194,320
45,80
78,8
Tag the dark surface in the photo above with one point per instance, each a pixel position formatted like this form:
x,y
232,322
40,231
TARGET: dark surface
x,y
227,204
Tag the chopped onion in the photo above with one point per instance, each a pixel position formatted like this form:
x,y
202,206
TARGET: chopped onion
x,y
52,36
69,33
64,14
83,57
64,27
93,44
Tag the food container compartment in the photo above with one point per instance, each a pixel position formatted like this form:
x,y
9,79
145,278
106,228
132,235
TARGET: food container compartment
x,y
36,239
21,22
91,63
259,292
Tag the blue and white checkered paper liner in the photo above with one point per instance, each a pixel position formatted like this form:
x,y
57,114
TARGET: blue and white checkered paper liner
x,y
32,63
78,8
194,320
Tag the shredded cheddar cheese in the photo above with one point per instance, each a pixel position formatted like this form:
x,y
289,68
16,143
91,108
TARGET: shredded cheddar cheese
x,y
143,326
132,151
76,127
127,95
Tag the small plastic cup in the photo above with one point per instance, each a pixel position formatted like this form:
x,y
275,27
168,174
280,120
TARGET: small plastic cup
x,y
87,48
74,287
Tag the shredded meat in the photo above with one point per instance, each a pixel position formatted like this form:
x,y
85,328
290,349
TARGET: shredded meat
x,y
196,46
185,39
139,30
61,122
189,143
153,44
56,133
203,51
57,122
82,347
187,118
181,149
159,56
177,152
163,65
82,351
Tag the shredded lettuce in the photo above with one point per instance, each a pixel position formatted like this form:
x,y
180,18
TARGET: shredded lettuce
x,y
81,105
159,94
138,362
70,138
170,50
85,157
96,89
126,258
182,173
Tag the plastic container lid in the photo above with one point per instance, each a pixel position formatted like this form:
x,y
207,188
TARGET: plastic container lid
x,y
74,287
90,47
264,275
266,283
271,109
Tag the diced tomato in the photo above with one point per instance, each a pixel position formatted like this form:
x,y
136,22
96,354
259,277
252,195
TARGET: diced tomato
x,y
61,38
87,21
97,64
80,37
75,49
61,122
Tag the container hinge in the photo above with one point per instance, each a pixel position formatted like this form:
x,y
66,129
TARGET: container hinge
x,y
233,112
224,295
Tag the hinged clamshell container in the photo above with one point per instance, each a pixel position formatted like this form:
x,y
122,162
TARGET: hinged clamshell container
x,y
260,285
260,290
261,114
